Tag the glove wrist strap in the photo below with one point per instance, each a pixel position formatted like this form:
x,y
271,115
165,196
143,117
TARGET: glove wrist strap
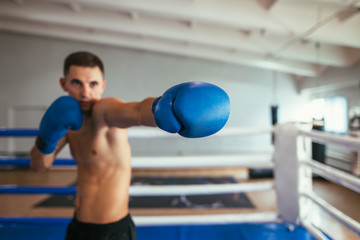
x,y
44,147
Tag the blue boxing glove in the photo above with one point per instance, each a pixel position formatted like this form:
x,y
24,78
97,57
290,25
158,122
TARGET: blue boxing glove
x,y
192,109
63,114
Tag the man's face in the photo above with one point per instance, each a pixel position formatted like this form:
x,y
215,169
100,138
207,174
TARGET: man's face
x,y
85,84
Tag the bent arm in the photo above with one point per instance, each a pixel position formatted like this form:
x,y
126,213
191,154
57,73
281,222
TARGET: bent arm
x,y
40,162
120,114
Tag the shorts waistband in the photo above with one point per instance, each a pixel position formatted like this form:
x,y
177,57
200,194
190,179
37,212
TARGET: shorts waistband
x,y
122,222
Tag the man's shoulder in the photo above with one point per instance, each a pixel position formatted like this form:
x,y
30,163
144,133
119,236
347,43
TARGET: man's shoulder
x,y
109,100
104,104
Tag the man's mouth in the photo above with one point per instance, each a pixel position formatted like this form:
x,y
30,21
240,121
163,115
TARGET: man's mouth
x,y
85,103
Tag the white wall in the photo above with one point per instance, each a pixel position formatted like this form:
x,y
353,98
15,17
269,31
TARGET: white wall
x,y
31,67
334,82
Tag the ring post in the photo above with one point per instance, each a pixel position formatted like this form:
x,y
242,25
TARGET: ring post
x,y
286,172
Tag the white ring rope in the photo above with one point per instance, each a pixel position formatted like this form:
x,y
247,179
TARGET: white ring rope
x,y
206,219
334,175
348,221
240,160
327,138
257,161
140,132
200,189
236,131
314,230
288,150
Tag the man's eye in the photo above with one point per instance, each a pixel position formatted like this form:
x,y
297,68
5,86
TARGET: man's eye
x,y
75,83
93,84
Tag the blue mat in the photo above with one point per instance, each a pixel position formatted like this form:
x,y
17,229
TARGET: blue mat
x,y
55,230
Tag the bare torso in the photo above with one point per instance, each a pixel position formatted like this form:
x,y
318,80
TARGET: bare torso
x,y
100,148
103,158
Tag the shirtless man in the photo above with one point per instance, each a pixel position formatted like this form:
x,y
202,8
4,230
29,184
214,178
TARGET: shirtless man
x,y
95,129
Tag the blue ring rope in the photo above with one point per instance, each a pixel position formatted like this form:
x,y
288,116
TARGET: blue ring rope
x,y
11,189
37,220
18,132
25,162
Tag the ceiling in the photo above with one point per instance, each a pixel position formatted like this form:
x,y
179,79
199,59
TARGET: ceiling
x,y
300,37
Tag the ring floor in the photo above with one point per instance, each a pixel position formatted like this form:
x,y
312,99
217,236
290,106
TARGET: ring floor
x,y
22,205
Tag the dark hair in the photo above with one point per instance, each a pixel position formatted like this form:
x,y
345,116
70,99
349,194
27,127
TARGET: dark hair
x,y
85,59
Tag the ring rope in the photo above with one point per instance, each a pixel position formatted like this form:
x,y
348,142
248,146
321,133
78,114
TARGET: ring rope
x,y
240,160
199,189
18,132
249,160
143,132
346,220
319,137
327,138
266,216
206,219
314,230
25,162
14,189
334,175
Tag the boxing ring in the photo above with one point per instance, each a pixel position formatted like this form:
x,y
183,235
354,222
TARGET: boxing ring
x,y
293,174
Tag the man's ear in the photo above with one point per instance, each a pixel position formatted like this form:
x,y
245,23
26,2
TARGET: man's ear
x,y
104,84
62,84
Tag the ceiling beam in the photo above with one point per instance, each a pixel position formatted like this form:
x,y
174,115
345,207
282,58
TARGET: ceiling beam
x,y
262,33
75,7
181,49
267,4
285,17
195,33
348,13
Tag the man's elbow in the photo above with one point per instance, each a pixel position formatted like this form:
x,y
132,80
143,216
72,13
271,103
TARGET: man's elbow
x,y
39,168
38,162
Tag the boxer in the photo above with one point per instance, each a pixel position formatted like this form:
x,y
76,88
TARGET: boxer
x,y
95,129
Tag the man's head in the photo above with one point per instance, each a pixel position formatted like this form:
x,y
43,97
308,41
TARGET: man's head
x,y
84,59
83,78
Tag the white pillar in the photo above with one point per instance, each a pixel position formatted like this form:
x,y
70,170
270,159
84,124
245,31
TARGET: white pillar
x,y
286,172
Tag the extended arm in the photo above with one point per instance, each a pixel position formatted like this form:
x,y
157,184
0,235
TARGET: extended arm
x,y
192,109
124,115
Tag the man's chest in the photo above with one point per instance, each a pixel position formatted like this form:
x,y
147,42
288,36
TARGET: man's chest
x,y
88,145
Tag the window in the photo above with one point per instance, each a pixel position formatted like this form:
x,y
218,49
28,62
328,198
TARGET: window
x,y
333,110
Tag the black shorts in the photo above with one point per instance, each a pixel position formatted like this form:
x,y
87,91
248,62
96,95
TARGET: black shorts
x,y
124,229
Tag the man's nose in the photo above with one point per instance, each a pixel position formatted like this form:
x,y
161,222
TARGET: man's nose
x,y
85,92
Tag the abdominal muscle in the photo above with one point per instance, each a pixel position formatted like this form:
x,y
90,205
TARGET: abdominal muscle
x,y
100,202
103,179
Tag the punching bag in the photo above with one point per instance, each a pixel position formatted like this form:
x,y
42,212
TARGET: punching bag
x,y
274,119
266,173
